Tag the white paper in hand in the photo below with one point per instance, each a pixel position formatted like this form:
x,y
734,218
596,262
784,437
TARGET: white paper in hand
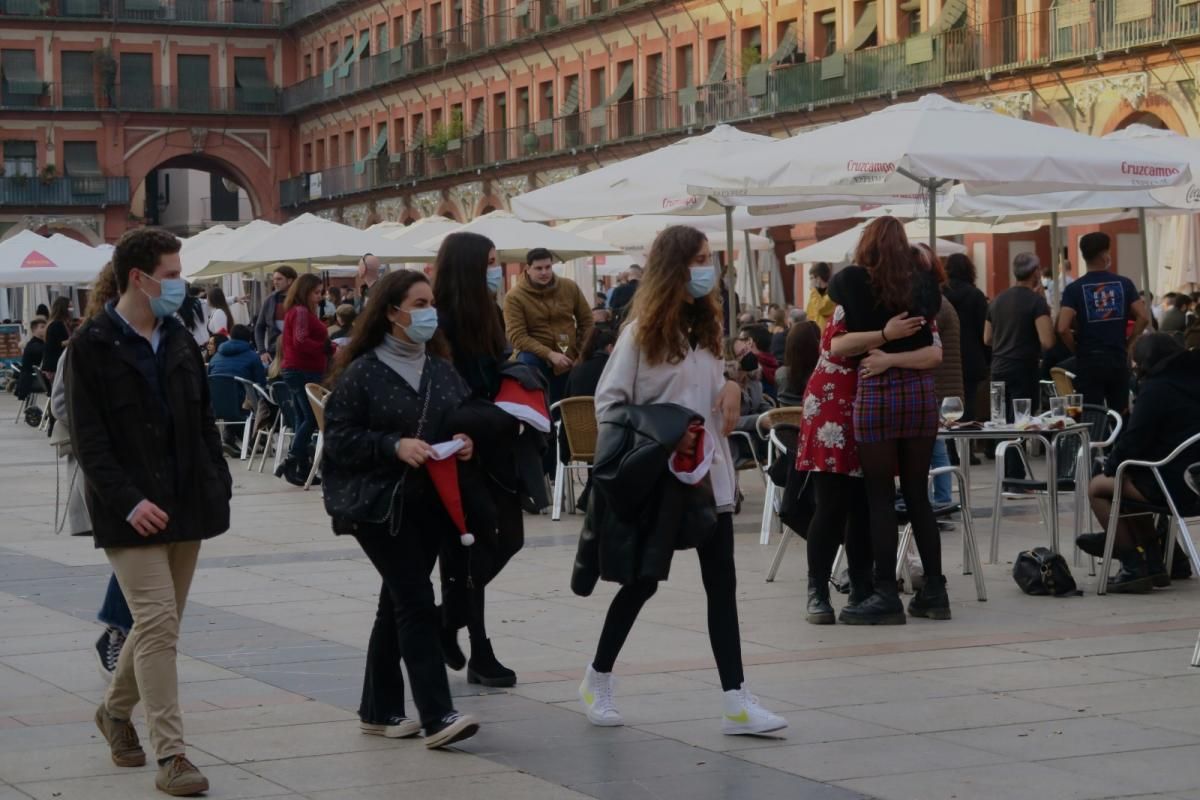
x,y
446,449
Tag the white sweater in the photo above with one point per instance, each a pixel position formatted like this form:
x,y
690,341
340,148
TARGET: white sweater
x,y
695,382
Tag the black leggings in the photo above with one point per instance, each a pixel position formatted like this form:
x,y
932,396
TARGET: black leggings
x,y
840,517
720,585
880,460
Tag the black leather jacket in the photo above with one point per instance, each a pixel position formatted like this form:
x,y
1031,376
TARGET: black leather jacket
x,y
639,513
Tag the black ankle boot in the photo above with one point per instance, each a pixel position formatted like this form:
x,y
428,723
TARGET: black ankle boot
x,y
819,611
452,654
1135,576
862,586
931,600
284,466
881,608
484,669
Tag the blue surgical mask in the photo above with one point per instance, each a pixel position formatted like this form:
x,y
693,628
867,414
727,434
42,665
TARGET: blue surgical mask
x,y
495,278
702,282
423,326
171,294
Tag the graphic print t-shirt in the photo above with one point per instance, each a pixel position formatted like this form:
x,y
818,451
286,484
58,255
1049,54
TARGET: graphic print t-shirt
x,y
1103,303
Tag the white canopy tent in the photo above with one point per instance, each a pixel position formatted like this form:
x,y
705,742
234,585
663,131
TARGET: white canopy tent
x,y
31,259
219,242
309,243
514,238
637,233
915,149
839,248
419,231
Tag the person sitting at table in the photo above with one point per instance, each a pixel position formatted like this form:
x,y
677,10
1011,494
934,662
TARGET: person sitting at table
x,y
1165,414
801,351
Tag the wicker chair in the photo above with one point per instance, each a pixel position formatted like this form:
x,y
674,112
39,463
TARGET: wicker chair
x,y
577,419
317,395
1064,382
789,417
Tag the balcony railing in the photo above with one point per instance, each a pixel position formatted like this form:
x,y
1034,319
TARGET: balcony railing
x,y
431,53
68,191
201,12
117,97
919,63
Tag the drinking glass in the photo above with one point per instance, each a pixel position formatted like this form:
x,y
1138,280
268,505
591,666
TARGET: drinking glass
x,y
1075,406
1022,406
998,416
952,410
1058,407
564,343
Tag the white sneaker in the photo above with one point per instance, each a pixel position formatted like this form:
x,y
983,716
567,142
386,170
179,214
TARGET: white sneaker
x,y
743,715
596,693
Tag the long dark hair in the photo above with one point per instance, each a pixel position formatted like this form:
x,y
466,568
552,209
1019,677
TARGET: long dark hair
x,y
461,294
190,311
661,304
216,299
60,309
885,252
373,324
301,289
800,354
600,338
961,268
1152,351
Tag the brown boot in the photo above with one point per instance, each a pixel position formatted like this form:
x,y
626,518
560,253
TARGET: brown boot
x,y
122,739
180,778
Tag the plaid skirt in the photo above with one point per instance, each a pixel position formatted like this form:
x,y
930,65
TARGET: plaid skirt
x,y
899,404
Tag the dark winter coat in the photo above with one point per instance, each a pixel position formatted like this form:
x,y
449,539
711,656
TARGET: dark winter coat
x,y
238,359
640,513
31,362
365,484
136,441
971,305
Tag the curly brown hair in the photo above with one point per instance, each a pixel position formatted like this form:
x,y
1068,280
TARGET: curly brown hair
x,y
103,289
885,252
661,303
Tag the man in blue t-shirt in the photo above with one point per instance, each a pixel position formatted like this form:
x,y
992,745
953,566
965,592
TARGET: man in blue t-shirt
x,y
1093,322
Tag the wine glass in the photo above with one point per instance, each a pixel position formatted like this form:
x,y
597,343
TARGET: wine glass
x,y
952,410
564,343
1022,408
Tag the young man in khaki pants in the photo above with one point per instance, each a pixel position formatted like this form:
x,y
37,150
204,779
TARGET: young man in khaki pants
x,y
156,485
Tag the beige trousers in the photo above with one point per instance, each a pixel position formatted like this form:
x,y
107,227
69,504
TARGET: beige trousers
x,y
155,580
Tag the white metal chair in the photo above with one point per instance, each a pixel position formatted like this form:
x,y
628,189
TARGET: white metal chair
x,y
776,448
1073,475
762,426
1190,476
317,395
250,392
228,397
577,419
263,436
1177,527
285,429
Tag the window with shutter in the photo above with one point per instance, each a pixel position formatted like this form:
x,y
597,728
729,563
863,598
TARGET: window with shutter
x,y
192,83
136,89
254,91
78,82
20,158
22,85
82,166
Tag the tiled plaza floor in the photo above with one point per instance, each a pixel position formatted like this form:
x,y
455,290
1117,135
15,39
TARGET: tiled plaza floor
x,y
1018,697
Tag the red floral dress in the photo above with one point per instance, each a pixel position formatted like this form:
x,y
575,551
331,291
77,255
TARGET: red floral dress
x,y
827,442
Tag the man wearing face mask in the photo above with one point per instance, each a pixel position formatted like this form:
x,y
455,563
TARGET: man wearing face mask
x,y
820,305
156,485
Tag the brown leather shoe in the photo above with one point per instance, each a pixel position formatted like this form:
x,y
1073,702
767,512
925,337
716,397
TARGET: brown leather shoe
x,y
122,739
180,778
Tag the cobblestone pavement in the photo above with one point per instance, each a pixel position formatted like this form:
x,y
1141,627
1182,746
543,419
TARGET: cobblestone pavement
x,y
1016,697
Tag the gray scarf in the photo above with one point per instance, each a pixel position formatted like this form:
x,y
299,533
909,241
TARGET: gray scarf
x,y
407,359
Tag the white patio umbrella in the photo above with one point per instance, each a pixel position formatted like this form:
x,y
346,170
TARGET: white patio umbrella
x,y
309,242
639,231
917,148
418,231
31,259
514,238
840,247
219,242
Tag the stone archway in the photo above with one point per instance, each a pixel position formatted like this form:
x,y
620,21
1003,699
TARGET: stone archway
x,y
245,158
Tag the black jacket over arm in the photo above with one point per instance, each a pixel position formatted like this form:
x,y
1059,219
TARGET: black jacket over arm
x,y
136,442
31,362
640,513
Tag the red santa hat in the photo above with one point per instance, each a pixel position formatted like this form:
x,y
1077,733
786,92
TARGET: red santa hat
x,y
690,468
443,471
527,405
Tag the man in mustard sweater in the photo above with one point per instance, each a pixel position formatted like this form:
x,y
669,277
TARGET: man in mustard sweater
x,y
547,318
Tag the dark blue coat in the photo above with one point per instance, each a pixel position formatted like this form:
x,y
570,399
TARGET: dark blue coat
x,y
238,359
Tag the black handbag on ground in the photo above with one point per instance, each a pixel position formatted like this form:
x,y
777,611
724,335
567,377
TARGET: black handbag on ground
x,y
1041,571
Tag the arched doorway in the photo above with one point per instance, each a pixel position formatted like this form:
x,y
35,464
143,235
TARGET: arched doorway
x,y
188,193
1150,120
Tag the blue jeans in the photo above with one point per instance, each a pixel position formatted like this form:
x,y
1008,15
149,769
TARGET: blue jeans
x,y
302,413
942,483
114,611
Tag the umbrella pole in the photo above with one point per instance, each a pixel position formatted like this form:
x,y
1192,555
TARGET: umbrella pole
x,y
931,192
1145,251
1058,276
753,272
729,287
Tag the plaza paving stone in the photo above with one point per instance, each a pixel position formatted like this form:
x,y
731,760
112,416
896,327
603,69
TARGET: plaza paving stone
x,y
1016,697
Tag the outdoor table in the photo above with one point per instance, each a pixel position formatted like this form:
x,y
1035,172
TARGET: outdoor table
x,y
963,437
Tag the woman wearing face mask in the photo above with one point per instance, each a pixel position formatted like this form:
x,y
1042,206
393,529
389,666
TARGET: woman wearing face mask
x,y
393,397
670,352
466,279
306,349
